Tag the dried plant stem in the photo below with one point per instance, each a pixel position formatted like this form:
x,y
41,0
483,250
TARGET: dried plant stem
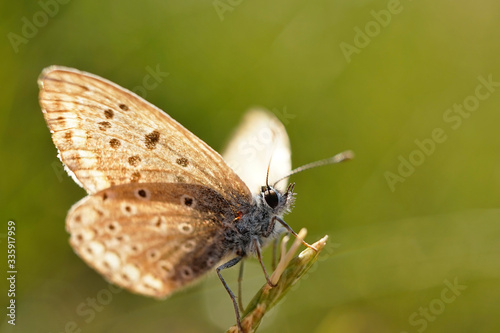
x,y
288,272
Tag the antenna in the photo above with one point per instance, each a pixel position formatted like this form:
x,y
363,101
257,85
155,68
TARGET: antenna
x,y
341,157
267,174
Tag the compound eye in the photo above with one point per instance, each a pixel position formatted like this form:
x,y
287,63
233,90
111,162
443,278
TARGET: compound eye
x,y
271,198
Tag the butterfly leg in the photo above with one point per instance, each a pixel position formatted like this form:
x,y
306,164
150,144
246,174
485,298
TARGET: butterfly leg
x,y
240,278
287,227
259,256
228,264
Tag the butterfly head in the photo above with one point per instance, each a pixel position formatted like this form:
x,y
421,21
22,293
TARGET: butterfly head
x,y
280,202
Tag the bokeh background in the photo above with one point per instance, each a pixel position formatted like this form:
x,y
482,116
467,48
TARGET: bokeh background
x,y
412,248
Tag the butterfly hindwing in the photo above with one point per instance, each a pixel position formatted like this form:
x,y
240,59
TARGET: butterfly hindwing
x,y
151,238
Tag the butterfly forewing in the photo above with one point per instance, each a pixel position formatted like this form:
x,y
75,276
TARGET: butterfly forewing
x,y
107,135
150,238
260,138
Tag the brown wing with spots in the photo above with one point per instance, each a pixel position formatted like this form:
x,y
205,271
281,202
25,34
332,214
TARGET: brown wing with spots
x,y
150,238
107,135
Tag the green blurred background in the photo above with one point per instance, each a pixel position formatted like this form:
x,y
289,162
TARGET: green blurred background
x,y
395,247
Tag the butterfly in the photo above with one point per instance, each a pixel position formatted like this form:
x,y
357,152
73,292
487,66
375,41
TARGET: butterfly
x,y
163,208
